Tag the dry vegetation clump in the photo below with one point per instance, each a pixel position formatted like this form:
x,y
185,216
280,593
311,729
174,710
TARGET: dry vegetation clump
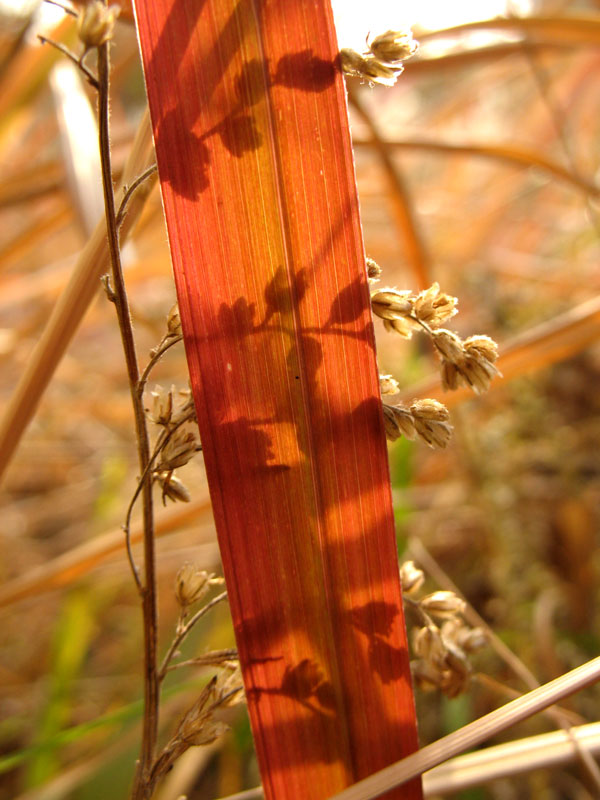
x,y
476,173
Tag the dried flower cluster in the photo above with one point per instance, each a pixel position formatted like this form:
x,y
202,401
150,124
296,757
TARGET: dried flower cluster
x,y
201,724
469,362
424,419
174,412
382,61
442,651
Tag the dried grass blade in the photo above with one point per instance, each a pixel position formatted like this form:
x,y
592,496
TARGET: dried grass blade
x,y
70,308
474,733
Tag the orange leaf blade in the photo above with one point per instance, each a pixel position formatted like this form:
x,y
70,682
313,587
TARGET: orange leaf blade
x,y
256,171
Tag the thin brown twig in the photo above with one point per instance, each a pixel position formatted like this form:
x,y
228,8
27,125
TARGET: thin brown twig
x,y
168,342
64,7
148,591
129,191
183,632
91,78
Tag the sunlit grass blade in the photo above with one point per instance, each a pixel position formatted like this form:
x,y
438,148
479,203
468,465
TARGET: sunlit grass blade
x,y
254,156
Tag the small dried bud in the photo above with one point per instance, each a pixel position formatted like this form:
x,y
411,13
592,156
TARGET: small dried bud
x,y
478,373
388,385
449,345
425,675
404,326
178,450
96,23
430,419
393,46
398,422
471,639
428,644
162,406
191,584
411,577
368,68
373,270
434,307
174,321
451,377
391,304
172,488
481,347
443,604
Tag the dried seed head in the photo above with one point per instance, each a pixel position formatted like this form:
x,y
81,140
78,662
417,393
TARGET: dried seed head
x,y
178,450
449,345
428,644
391,304
393,46
388,385
472,639
451,377
174,321
172,488
430,419
161,409
191,584
403,326
398,422
426,676
482,347
443,604
368,68
96,23
411,577
478,373
434,307
373,270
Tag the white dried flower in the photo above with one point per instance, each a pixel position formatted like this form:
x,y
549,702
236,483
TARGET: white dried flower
x,y
449,345
373,270
428,644
434,307
388,385
391,303
431,422
178,450
443,604
192,584
174,321
172,488
393,46
411,577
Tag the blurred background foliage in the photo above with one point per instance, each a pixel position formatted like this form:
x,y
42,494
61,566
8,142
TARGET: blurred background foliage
x,y
479,170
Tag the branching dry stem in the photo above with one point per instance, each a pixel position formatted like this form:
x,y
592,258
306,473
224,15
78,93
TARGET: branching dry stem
x,y
130,190
183,630
148,588
91,78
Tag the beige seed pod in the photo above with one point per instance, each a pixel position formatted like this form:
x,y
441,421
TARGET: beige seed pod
x,y
96,23
411,577
443,604
393,46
